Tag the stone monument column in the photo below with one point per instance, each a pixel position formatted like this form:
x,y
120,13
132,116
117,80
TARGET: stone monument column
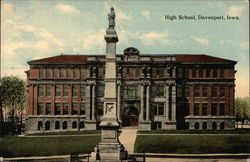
x,y
110,148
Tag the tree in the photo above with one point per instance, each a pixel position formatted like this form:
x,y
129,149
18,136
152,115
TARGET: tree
x,y
12,91
242,110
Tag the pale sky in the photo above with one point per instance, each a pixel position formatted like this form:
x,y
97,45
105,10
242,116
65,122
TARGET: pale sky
x,y
33,29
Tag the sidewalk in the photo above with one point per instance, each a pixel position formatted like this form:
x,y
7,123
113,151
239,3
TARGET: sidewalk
x,y
127,138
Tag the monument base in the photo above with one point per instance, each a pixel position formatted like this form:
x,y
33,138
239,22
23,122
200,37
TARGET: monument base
x,y
109,148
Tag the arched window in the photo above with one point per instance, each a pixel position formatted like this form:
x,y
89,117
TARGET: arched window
x,y
222,125
74,124
39,125
57,125
187,125
65,125
47,125
196,125
81,125
204,125
214,125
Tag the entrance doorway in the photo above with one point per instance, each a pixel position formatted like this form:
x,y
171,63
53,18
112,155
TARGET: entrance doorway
x,y
130,117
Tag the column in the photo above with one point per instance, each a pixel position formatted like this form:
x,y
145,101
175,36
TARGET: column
x,y
119,102
167,102
35,94
70,100
142,103
173,103
88,101
52,94
191,100
209,105
147,102
93,102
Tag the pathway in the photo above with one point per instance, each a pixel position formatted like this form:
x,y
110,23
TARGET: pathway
x,y
127,138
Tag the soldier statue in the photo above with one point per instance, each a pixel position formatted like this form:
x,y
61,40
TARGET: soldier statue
x,y
111,17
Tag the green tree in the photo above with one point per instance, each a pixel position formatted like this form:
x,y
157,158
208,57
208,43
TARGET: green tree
x,y
12,91
242,110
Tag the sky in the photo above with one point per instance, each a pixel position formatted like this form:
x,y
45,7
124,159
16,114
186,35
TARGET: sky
x,y
33,29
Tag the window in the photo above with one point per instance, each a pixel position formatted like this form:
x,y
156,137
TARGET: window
x,y
57,108
41,72
48,90
55,73
48,73
68,72
196,125
74,108
158,108
222,91
82,73
180,72
40,90
39,108
196,108
124,72
100,91
222,125
214,125
187,92
65,90
179,90
204,126
39,125
200,73
186,73
204,109
82,91
61,72
58,90
47,125
65,108
204,91
57,125
157,72
221,73
158,90
131,72
81,125
130,92
74,125
196,91
101,72
214,108
214,91
75,73
100,108
137,72
193,73
222,109
75,90
215,73
65,125
82,108
207,73
48,109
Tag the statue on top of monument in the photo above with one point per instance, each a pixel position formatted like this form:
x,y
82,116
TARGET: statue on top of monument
x,y
111,17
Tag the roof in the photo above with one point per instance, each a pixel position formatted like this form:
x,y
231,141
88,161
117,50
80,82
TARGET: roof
x,y
183,58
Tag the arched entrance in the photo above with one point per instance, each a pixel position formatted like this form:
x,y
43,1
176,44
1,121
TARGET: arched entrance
x,y
130,117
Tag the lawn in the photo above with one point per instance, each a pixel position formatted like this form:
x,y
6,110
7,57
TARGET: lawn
x,y
11,146
187,131
67,133
193,144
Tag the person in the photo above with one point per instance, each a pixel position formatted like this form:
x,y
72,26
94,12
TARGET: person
x,y
111,17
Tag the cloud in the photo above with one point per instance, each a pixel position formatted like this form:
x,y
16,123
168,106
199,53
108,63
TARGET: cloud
x,y
122,15
244,45
93,39
235,10
146,14
63,8
202,41
242,86
153,37
218,4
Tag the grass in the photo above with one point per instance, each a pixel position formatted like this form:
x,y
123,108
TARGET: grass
x,y
67,133
11,146
236,131
193,144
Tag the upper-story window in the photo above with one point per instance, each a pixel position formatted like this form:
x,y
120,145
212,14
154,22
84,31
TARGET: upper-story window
x,y
75,72
82,108
68,72
61,72
186,73
197,91
101,72
74,108
48,108
214,91
39,108
158,90
41,73
214,108
157,72
65,90
207,73
83,72
82,90
58,90
187,92
100,91
215,73
75,90
57,108
131,72
41,90
221,73
222,91
200,73
158,108
193,73
222,109
48,90
130,92
48,72
196,108
204,91
204,109
55,73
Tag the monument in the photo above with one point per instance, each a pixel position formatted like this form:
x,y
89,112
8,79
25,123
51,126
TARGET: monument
x,y
110,148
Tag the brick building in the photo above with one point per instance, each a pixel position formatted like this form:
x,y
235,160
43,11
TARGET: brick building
x,y
65,92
